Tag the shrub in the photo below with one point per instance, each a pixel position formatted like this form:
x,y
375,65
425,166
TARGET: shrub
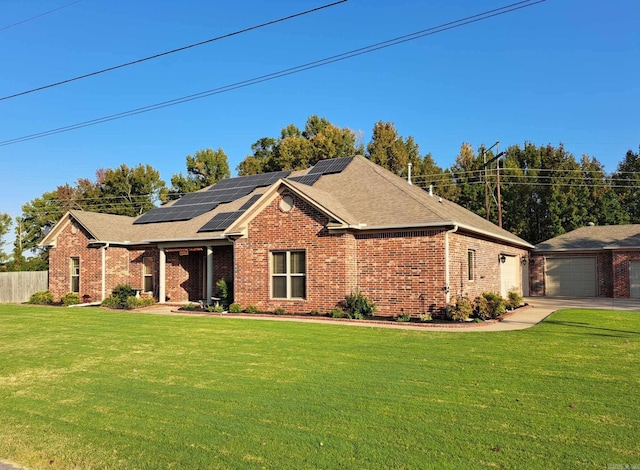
x,y
225,291
215,308
110,302
43,297
489,305
251,309
358,306
191,306
315,312
403,318
460,309
337,313
121,292
279,311
138,302
235,308
514,299
425,317
70,298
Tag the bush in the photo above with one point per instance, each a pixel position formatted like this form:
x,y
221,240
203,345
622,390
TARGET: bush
x,y
315,312
514,299
251,309
111,302
490,305
215,308
403,318
70,299
43,297
425,317
460,309
337,313
121,292
225,291
358,306
235,308
133,302
191,306
279,311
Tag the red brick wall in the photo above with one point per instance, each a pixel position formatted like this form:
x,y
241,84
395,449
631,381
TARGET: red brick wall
x,y
402,272
72,242
487,265
621,283
329,257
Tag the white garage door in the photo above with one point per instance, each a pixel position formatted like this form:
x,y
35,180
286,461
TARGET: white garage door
x,y
571,277
634,279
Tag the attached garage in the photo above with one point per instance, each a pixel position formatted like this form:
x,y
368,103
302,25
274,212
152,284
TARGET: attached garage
x,y
571,277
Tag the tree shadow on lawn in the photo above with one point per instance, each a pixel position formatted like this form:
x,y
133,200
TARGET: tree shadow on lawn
x,y
589,327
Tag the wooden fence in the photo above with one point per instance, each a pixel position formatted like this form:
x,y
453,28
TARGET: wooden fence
x,y
17,287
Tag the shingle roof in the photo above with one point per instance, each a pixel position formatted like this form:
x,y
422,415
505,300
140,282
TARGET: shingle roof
x,y
363,196
599,237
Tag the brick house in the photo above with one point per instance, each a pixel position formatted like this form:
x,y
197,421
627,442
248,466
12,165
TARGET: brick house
x,y
591,261
299,240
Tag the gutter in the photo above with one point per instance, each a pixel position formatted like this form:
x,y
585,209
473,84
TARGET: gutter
x,y
447,289
433,225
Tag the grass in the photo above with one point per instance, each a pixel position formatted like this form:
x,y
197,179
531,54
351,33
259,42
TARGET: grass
x,y
86,388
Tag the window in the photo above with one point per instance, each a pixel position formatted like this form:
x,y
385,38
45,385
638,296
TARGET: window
x,y
74,267
471,264
288,275
147,274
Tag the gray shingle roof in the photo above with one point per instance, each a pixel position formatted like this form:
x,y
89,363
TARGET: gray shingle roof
x,y
600,237
363,196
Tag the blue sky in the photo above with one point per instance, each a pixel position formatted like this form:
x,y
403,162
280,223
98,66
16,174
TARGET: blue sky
x,y
560,71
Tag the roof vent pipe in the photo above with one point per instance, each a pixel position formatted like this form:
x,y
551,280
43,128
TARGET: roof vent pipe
x,y
430,190
409,174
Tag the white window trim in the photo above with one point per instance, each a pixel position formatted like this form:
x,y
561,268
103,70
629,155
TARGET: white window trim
x,y
73,274
288,275
471,265
144,276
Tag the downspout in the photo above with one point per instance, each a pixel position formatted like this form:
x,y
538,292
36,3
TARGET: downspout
x,y
104,270
446,265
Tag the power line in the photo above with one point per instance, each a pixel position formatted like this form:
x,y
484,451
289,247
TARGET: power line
x,y
3,28
173,51
282,73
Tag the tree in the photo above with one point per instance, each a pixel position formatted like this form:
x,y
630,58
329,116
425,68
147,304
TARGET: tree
x,y
5,228
205,168
131,191
627,183
297,150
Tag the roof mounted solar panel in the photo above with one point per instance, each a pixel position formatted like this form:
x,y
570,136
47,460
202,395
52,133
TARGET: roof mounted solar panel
x,y
307,179
331,166
173,213
221,221
252,200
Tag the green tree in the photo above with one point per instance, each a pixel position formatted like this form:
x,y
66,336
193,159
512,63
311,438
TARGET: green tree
x,y
5,228
296,150
131,191
205,168
627,184
468,176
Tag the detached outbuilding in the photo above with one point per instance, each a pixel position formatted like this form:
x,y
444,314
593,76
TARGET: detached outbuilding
x,y
591,261
300,241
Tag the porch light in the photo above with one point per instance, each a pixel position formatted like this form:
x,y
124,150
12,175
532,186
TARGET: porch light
x,y
502,258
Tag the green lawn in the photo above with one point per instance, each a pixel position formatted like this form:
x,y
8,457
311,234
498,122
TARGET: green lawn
x,y
86,388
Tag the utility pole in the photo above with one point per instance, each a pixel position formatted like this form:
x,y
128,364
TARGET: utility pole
x,y
486,192
486,177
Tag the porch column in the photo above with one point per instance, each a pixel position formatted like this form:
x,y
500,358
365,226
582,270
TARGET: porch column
x,y
162,288
209,277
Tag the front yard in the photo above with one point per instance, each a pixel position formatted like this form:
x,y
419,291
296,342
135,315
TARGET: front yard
x,y
90,388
